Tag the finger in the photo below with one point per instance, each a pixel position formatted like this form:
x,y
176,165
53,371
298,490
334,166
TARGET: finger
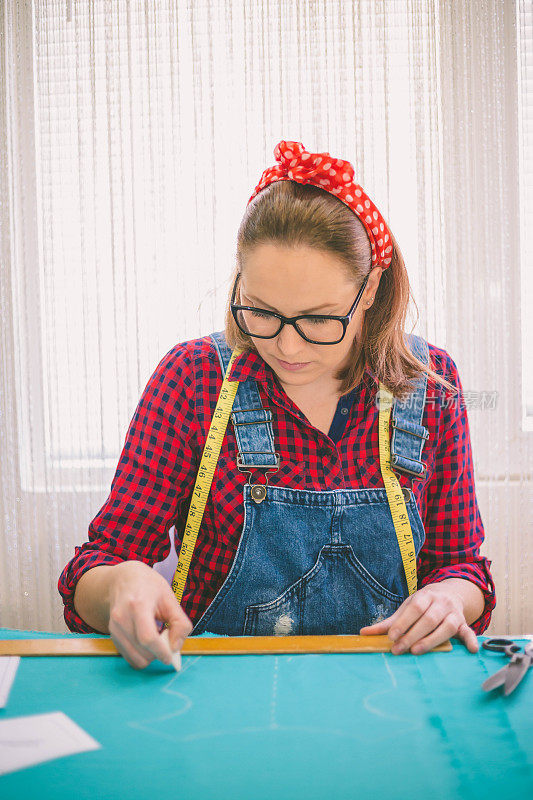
x,y
125,647
419,603
179,624
425,625
125,623
378,627
175,659
441,633
131,655
149,641
469,637
384,624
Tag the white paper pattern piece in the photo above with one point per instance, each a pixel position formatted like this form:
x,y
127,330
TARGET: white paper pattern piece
x,y
8,669
35,738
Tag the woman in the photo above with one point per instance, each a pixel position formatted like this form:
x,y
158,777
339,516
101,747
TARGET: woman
x,y
317,548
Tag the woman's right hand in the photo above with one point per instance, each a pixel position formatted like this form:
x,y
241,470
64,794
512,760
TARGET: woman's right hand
x,y
138,597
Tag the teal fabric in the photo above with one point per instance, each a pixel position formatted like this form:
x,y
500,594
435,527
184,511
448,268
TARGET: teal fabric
x,y
369,725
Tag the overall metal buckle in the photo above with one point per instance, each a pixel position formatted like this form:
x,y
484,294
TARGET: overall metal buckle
x,y
259,490
415,476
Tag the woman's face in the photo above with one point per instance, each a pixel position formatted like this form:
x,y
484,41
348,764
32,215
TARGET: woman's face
x,y
296,281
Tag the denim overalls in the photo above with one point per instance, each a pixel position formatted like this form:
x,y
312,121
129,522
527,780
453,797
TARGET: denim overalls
x,y
315,562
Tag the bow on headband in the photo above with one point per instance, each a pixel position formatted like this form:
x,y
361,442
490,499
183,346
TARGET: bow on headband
x,y
336,176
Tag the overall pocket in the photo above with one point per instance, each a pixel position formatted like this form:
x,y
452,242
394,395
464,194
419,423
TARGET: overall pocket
x,y
336,596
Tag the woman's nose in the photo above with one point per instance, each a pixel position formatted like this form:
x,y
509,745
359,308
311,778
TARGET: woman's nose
x,y
289,340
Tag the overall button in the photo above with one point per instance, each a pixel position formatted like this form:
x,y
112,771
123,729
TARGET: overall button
x,y
259,493
407,494
344,410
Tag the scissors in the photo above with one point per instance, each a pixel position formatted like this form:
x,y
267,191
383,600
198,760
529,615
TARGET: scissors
x,y
514,671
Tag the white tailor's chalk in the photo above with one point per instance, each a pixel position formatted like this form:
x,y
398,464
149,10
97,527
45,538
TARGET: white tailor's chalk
x,y
176,657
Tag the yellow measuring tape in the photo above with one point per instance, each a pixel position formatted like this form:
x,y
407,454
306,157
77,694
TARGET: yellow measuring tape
x,y
209,459
204,479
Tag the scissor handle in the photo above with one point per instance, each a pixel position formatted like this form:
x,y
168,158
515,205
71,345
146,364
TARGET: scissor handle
x,y
506,646
528,650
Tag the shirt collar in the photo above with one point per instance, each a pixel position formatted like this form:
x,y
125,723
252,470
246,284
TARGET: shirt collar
x,y
249,366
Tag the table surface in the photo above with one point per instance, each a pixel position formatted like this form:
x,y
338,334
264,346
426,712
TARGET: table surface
x,y
349,725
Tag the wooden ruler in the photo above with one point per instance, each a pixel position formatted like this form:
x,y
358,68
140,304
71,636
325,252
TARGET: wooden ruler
x,y
208,646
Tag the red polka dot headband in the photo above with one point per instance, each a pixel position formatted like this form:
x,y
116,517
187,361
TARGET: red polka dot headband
x,y
335,176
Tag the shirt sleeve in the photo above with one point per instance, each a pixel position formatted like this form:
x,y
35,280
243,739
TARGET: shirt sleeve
x,y
153,481
453,525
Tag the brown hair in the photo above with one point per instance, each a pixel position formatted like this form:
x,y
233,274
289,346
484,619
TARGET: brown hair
x,y
292,214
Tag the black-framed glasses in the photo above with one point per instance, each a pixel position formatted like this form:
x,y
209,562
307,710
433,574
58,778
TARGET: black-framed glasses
x,y
314,328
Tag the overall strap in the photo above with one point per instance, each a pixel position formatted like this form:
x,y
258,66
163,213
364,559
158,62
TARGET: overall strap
x,y
409,435
251,422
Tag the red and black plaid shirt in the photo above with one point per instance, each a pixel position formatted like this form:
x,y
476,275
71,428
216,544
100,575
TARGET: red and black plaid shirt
x,y
157,470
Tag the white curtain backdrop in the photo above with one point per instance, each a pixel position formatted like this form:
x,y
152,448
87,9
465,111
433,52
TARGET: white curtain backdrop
x,y
133,133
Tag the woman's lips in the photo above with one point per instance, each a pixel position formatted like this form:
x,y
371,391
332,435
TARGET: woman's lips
x,y
294,366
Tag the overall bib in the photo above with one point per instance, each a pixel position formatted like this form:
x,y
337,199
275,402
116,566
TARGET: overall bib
x,y
315,562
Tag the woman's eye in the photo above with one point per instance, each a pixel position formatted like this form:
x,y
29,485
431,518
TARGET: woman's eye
x,y
312,320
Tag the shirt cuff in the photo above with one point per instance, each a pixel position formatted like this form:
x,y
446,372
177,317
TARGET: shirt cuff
x,y
67,587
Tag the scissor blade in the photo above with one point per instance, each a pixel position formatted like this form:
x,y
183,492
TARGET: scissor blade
x,y
515,672
495,680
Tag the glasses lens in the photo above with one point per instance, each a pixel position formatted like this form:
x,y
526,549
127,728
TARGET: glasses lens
x,y
321,330
258,323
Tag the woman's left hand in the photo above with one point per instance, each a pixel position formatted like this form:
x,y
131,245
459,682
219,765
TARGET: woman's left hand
x,y
426,619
